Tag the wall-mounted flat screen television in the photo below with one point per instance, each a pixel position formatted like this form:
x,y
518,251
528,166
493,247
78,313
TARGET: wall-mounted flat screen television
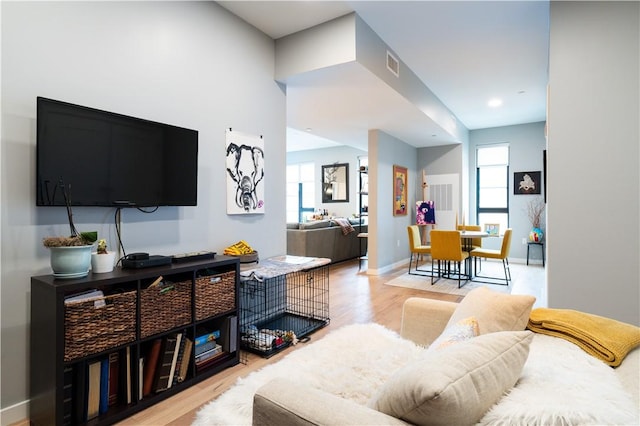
x,y
100,158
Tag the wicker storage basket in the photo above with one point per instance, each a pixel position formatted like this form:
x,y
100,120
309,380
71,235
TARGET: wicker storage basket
x,y
89,329
163,310
215,294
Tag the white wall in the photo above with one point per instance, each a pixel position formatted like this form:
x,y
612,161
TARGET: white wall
x,y
593,159
526,143
329,44
388,240
372,53
191,64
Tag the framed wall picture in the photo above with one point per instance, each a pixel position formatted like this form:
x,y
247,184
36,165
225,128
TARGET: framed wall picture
x,y
493,229
526,183
335,183
425,213
399,190
245,173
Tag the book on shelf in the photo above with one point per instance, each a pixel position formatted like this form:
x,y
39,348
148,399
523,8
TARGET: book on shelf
x,y
208,354
180,353
233,333
205,346
174,361
127,374
93,391
163,369
150,366
104,386
114,378
141,364
229,342
90,388
211,360
206,336
186,360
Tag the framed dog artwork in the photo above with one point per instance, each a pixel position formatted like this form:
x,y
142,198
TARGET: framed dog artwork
x,y
245,173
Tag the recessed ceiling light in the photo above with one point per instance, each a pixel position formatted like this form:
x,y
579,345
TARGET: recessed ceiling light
x,y
308,129
495,102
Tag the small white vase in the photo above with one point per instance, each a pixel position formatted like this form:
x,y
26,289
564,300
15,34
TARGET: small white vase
x,y
101,263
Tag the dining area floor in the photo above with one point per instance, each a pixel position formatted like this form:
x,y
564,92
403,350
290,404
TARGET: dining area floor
x,y
525,279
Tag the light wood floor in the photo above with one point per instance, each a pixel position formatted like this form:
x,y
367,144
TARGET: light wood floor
x,y
354,298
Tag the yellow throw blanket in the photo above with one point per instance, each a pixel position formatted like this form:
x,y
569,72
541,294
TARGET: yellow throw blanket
x,y
238,249
604,338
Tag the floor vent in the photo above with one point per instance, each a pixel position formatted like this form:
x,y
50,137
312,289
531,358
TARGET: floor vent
x,y
393,64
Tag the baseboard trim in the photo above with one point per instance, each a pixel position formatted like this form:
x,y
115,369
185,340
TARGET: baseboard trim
x,y
15,413
388,268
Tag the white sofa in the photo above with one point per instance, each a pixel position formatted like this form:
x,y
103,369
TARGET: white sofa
x,y
407,397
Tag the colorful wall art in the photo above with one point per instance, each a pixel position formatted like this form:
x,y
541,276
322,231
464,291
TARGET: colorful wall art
x,y
425,213
399,191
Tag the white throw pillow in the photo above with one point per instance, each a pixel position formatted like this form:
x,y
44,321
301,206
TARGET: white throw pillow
x,y
461,331
458,384
494,311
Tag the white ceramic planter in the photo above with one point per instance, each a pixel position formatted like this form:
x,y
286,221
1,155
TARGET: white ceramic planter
x,y
101,263
70,262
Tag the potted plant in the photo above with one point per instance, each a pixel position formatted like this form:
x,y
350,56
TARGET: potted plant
x,y
535,208
70,256
102,260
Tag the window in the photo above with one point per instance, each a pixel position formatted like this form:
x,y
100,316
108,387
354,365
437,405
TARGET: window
x,y
492,192
300,191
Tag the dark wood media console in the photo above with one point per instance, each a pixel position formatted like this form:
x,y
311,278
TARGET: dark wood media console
x,y
116,337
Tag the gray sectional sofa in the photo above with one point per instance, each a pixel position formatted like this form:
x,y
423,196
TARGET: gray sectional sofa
x,y
325,238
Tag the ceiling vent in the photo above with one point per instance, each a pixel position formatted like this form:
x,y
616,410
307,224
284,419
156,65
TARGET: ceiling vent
x,y
393,64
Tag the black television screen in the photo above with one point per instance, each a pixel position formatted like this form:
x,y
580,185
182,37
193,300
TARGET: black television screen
x,y
107,159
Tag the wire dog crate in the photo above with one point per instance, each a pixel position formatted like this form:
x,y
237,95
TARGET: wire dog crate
x,y
275,310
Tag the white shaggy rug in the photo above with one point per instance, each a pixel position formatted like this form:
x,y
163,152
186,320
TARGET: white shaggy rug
x,y
351,362
560,383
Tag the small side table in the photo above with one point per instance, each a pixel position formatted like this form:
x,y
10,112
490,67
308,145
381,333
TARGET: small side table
x,y
532,243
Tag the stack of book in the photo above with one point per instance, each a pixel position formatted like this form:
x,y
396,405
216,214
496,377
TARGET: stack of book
x,y
207,349
184,360
166,363
94,386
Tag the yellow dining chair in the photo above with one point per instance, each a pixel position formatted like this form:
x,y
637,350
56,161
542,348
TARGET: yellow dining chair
x,y
446,246
475,242
416,247
502,254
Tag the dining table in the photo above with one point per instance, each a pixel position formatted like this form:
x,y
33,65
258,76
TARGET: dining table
x,y
467,245
468,236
